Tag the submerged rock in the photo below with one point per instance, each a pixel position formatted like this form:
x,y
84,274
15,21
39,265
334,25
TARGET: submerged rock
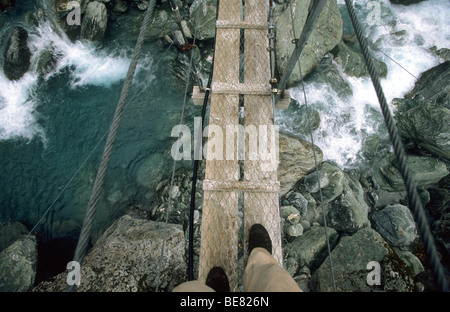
x,y
6,5
16,55
353,62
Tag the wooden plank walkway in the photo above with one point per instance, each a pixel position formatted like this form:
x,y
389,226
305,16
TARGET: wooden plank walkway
x,y
225,186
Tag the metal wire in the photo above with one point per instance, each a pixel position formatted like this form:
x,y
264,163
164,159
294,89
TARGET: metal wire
x,y
315,160
412,194
81,249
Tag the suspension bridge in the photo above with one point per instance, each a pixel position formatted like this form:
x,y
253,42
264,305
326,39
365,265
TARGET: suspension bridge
x,y
243,93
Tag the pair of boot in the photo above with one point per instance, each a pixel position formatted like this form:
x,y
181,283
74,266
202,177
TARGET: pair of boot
x,y
258,237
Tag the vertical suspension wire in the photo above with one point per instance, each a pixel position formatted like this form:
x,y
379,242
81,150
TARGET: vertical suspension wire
x,y
315,158
169,204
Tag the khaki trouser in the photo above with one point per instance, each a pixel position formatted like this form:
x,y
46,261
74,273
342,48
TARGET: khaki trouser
x,y
262,274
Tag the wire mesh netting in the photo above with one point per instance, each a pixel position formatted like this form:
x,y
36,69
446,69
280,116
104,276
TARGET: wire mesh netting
x,y
240,183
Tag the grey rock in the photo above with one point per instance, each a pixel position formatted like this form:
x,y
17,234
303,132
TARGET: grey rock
x,y
336,183
296,160
310,249
16,55
425,170
428,126
203,18
313,184
353,62
298,201
411,260
294,230
349,212
95,21
18,265
290,214
432,86
126,257
396,224
326,34
350,259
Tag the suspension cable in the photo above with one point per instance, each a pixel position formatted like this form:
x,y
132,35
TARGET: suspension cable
x,y
317,7
84,238
316,167
399,151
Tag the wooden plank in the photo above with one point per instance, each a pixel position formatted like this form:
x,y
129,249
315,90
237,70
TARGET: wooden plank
x,y
263,208
219,235
226,58
224,112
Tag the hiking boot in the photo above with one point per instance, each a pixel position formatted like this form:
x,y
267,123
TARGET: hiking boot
x,y
217,280
259,237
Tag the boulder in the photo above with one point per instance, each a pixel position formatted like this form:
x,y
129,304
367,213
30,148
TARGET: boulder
x,y
350,265
296,160
203,18
334,187
432,86
126,259
396,224
325,36
95,21
428,126
310,249
349,212
16,55
353,62
299,202
425,170
18,264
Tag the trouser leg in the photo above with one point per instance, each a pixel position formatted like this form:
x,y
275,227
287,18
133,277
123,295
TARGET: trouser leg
x,y
264,274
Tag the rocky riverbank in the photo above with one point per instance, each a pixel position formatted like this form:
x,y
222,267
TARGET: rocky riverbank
x,y
365,209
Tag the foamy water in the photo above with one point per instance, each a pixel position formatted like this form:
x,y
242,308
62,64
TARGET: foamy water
x,y
345,123
88,65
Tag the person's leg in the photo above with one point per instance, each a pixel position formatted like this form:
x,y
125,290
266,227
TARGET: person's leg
x,y
215,281
264,274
